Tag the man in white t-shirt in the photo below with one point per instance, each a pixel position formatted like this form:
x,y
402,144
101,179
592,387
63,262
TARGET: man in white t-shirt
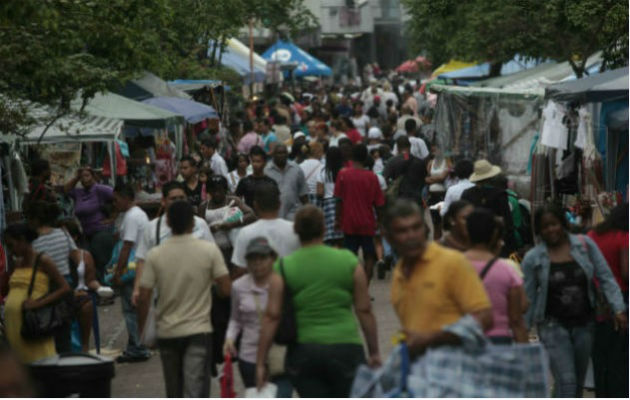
x,y
418,146
212,159
171,192
130,230
279,232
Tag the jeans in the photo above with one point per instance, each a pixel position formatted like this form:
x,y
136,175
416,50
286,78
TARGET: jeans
x,y
610,361
134,346
501,340
324,370
186,365
569,349
248,375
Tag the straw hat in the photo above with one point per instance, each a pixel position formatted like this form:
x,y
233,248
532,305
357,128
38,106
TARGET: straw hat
x,y
484,170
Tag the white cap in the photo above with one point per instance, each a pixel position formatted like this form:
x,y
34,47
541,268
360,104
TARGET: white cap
x,y
375,133
298,134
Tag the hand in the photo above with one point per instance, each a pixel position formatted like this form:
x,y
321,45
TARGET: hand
x,y
418,342
30,304
261,376
116,279
621,322
228,347
374,361
134,296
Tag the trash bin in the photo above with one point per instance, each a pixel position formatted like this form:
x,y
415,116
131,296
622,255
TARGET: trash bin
x,y
73,374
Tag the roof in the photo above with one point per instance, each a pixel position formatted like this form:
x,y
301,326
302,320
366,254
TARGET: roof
x,y
607,86
150,85
488,92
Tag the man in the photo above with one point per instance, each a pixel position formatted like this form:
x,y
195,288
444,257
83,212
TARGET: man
x,y
410,169
463,170
407,113
212,159
418,146
282,130
410,102
184,330
343,109
157,231
249,140
38,187
246,187
269,138
377,112
358,193
192,186
486,194
291,182
279,232
431,286
131,230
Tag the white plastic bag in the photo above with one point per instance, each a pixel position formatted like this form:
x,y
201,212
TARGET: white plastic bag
x,y
267,392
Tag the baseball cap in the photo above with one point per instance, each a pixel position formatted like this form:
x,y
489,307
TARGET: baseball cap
x,y
375,133
258,245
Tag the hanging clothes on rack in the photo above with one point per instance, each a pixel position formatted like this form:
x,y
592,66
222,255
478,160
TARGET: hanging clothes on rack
x,y
554,133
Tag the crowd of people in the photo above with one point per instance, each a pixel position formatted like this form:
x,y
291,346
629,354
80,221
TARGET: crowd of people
x,y
265,247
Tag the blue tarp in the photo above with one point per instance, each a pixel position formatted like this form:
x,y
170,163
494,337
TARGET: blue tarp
x,y
193,111
287,52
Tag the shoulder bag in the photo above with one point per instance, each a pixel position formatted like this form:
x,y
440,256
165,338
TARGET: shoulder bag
x,y
287,327
45,321
486,269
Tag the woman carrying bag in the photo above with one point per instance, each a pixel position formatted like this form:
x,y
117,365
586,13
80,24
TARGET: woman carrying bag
x,y
18,239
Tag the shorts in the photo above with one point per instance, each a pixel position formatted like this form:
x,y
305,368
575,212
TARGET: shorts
x,y
354,242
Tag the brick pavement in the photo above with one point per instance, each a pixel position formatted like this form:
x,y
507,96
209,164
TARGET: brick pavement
x,y
145,379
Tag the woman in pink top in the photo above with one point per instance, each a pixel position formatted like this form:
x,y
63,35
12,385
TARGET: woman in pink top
x,y
504,286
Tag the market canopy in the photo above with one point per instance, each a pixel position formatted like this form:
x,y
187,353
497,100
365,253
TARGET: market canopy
x,y
193,111
233,57
287,52
483,70
450,66
150,85
192,85
607,86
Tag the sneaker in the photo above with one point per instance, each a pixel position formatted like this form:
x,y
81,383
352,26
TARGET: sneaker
x,y
126,358
105,292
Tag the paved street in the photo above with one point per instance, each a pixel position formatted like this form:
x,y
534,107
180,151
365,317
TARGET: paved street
x,y
145,379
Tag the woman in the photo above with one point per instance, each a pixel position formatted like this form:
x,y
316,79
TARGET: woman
x,y
90,202
559,276
502,283
311,168
48,287
234,177
351,131
437,171
326,193
454,223
327,284
610,347
84,274
249,302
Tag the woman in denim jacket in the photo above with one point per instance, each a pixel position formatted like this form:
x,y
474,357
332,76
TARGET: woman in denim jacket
x,y
559,276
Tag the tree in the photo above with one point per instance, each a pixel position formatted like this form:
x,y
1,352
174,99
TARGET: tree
x,y
496,31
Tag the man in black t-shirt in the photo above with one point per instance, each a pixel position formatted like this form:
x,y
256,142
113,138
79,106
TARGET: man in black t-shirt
x,y
246,187
192,186
412,170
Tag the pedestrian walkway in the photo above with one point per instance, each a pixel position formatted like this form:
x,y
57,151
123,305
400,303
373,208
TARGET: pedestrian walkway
x,y
145,379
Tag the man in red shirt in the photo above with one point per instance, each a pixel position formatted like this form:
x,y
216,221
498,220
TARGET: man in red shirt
x,y
358,193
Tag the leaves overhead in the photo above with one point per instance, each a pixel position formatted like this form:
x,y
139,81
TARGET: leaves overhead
x,y
498,30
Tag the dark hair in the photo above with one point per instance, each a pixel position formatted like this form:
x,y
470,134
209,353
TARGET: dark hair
x,y
410,125
369,161
359,153
44,212
403,143
21,231
452,212
309,223
482,226
500,181
349,123
190,160
172,185
39,166
209,143
243,156
125,190
337,124
181,217
248,126
267,196
217,181
334,162
257,151
553,209
399,209
616,220
463,169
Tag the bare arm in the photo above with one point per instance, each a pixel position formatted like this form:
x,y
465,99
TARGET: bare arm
x,y
224,285
484,318
71,183
515,315
320,189
269,326
90,271
143,303
363,309
62,288
123,260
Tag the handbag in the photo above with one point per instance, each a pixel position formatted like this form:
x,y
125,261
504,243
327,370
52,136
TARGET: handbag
x,y
287,327
45,321
602,307
277,353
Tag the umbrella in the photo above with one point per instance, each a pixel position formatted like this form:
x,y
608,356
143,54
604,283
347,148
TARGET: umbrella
x,y
408,66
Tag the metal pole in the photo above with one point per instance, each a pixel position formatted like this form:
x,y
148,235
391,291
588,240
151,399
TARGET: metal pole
x,y
251,56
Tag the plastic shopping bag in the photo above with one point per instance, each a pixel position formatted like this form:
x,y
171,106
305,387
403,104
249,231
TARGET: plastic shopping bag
x,y
267,392
227,379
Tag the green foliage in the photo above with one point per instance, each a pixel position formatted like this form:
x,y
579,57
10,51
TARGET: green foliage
x,y
497,30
